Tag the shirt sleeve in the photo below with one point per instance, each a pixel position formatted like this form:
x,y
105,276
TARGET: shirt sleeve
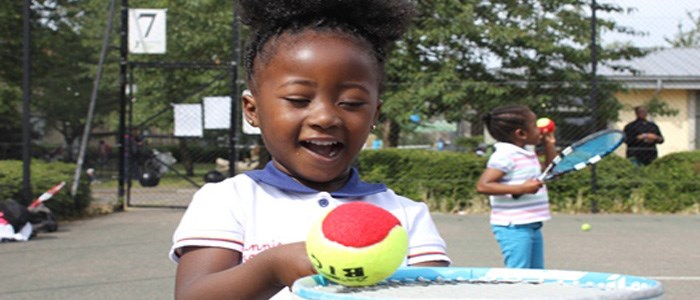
x,y
209,221
424,241
657,131
500,161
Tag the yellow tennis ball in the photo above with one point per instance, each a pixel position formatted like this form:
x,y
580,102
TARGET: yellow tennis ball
x,y
585,227
357,244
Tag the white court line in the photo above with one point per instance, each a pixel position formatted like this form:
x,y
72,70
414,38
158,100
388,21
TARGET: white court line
x,y
680,278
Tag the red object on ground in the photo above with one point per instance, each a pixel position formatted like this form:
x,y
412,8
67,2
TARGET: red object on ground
x,y
47,195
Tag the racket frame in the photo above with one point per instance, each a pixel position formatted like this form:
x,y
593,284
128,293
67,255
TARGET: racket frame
x,y
546,176
618,286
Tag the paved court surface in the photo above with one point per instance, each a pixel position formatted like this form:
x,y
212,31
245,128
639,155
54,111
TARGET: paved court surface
x,y
123,255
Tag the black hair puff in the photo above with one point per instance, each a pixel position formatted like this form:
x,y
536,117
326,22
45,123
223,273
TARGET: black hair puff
x,y
380,22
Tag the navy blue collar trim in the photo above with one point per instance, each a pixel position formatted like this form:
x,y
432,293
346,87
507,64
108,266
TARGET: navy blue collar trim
x,y
354,188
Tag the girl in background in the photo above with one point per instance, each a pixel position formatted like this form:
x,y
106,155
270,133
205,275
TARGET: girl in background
x,y
519,202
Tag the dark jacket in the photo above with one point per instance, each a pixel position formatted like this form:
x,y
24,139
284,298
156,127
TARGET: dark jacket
x,y
645,152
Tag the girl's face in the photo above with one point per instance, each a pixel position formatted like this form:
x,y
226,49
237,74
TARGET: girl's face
x,y
532,133
315,100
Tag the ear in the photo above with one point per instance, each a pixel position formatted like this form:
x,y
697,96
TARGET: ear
x,y
249,107
520,134
378,112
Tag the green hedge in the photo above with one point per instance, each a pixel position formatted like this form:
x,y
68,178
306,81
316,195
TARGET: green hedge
x,y
616,180
44,176
446,181
672,183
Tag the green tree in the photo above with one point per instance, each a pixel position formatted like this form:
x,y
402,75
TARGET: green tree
x,y
464,57
62,66
10,78
689,38
67,37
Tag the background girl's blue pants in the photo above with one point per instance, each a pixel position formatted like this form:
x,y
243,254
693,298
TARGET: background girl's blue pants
x,y
522,245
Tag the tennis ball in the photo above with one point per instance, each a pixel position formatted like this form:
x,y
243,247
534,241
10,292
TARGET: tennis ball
x,y
546,125
357,244
585,227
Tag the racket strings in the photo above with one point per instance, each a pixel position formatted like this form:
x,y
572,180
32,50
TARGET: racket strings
x,y
425,282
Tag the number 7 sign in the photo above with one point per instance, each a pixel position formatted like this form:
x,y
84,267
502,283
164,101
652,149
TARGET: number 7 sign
x,y
147,31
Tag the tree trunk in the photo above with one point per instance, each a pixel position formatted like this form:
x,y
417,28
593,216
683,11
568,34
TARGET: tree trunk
x,y
186,157
477,126
391,133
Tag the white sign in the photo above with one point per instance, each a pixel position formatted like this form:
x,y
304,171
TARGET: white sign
x,y
188,120
147,31
217,112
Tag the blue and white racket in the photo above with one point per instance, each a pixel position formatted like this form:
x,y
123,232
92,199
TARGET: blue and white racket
x,y
583,153
485,283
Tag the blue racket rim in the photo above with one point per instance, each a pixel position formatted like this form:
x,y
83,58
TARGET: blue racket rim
x,y
635,286
581,152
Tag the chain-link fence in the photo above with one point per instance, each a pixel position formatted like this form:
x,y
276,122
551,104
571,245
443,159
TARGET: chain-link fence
x,y
163,166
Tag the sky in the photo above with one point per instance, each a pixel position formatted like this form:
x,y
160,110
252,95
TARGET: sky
x,y
659,18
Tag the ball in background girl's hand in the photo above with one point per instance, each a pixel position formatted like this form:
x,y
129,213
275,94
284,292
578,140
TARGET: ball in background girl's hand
x,y
546,125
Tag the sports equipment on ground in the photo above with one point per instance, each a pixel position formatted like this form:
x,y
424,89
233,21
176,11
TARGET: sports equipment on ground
x,y
47,195
486,283
41,217
213,176
149,178
546,125
586,227
357,244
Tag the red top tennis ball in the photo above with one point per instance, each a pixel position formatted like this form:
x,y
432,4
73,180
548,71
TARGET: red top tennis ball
x,y
546,125
357,244
358,224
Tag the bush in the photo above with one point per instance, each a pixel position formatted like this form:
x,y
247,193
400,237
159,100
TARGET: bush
x,y
672,183
616,179
446,181
44,176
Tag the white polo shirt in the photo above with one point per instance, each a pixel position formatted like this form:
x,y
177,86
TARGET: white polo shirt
x,y
519,165
262,209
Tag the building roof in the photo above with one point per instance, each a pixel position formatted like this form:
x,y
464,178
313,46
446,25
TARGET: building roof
x,y
670,68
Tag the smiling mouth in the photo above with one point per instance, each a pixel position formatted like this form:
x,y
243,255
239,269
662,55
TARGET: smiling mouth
x,y
323,148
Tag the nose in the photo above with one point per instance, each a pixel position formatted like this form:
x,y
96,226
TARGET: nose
x,y
324,114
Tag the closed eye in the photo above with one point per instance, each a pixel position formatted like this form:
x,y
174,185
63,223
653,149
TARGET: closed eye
x,y
352,103
297,101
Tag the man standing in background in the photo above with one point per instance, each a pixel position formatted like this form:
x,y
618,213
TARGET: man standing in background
x,y
641,137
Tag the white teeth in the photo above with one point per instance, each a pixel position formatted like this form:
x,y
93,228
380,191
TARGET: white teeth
x,y
322,143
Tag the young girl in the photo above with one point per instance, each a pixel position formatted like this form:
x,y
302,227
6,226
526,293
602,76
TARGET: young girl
x,y
314,70
519,202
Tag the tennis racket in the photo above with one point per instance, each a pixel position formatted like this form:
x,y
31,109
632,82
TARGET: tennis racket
x,y
485,283
585,152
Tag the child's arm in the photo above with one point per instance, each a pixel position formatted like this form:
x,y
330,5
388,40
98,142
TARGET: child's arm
x,y
489,184
215,273
550,150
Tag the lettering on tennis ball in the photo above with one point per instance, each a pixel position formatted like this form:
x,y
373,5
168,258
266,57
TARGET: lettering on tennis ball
x,y
357,244
585,227
546,125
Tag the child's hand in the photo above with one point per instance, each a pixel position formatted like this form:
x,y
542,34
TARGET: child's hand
x,y
531,186
548,138
291,263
